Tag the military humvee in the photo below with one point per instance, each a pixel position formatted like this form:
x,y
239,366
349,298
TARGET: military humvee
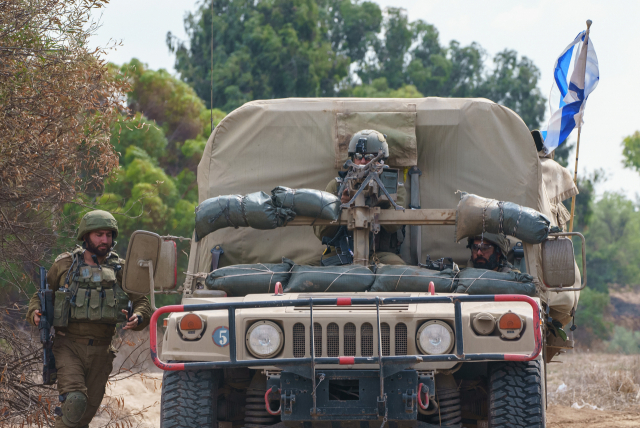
x,y
360,358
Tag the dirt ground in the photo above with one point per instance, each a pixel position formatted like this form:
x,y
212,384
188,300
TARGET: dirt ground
x,y
585,390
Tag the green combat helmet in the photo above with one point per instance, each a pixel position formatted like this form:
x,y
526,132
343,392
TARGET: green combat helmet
x,y
500,241
97,220
368,141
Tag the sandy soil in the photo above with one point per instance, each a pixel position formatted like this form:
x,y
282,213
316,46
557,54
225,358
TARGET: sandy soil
x,y
585,390
566,417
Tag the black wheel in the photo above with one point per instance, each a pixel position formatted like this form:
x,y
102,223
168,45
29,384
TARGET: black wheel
x,y
449,413
516,395
189,398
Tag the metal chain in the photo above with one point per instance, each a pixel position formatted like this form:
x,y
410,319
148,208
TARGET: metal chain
x,y
515,228
501,217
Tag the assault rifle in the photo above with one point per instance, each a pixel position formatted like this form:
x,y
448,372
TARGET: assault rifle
x,y
375,180
49,372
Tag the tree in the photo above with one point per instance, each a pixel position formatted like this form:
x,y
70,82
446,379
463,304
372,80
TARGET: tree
x,y
310,48
613,234
58,100
631,151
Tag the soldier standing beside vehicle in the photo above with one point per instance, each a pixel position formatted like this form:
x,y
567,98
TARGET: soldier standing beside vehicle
x,y
386,244
89,302
489,251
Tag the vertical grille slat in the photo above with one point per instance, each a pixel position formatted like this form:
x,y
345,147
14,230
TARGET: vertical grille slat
x,y
385,333
366,340
350,340
401,339
333,340
317,339
298,340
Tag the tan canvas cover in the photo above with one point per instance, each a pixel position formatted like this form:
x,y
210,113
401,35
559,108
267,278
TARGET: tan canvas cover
x,y
557,180
399,127
473,145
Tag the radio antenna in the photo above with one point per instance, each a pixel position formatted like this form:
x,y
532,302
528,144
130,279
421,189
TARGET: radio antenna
x,y
211,105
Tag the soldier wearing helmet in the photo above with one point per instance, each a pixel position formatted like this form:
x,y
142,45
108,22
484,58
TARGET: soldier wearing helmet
x,y
363,147
489,251
88,303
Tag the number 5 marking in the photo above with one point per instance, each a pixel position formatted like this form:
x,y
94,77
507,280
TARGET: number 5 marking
x,y
221,336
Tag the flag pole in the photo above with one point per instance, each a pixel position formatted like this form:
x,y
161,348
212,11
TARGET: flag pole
x,y
575,172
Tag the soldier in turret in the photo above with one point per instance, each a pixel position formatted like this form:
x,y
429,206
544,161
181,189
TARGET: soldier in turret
x,y
385,246
89,302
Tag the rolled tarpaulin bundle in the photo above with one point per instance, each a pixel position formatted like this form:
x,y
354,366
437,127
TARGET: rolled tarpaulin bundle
x,y
476,215
413,279
482,281
254,210
329,278
240,280
308,202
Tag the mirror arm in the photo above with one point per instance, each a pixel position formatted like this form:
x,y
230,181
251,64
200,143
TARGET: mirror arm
x,y
152,297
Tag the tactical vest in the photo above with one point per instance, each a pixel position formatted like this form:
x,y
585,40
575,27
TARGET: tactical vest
x,y
93,294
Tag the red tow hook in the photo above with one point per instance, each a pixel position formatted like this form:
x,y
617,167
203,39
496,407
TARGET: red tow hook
x,y
432,288
268,407
422,405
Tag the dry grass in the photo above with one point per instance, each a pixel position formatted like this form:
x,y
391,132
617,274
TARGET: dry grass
x,y
594,380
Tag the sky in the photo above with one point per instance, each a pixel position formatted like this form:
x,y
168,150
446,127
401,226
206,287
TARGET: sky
x,y
537,29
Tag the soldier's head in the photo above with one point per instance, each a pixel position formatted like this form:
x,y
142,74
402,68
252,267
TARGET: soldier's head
x,y
488,251
365,145
98,229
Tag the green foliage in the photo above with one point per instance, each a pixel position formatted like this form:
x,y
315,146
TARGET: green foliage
x,y
308,48
613,237
590,316
379,88
585,199
631,151
168,101
140,132
624,341
265,49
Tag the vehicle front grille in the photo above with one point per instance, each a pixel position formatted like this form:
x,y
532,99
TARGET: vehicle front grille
x,y
401,339
299,340
336,340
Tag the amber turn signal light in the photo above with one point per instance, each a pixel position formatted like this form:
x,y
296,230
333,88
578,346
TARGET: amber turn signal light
x,y
510,321
510,326
191,327
190,322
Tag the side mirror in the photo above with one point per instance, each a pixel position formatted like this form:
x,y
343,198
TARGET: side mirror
x,y
151,264
558,262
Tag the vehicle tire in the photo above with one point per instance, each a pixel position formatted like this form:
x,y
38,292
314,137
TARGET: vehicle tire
x,y
516,395
189,398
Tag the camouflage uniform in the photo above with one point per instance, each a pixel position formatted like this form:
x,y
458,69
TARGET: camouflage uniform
x,y
84,357
386,241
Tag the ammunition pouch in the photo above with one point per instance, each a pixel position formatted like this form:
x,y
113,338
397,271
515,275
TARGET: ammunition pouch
x,y
61,307
96,296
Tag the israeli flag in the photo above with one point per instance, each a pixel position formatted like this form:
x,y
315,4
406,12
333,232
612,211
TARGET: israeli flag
x,y
569,95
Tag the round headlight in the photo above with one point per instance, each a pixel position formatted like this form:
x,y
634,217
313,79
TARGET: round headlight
x,y
264,339
435,338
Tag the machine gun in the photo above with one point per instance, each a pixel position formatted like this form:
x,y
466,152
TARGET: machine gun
x,y
375,180
49,372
